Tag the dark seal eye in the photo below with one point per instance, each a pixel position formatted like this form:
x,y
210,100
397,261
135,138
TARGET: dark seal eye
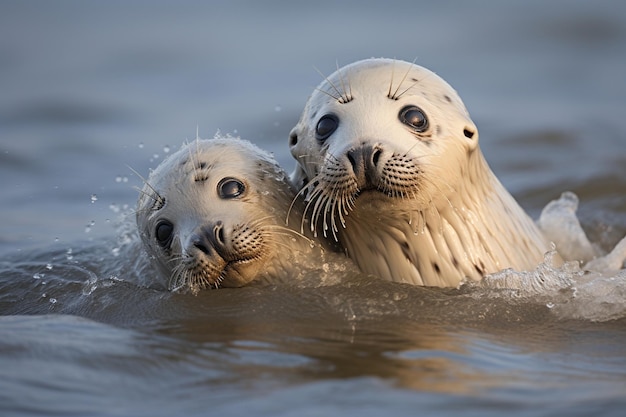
x,y
230,188
326,126
164,231
414,117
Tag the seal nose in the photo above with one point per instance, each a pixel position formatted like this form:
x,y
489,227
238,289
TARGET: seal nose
x,y
364,163
210,238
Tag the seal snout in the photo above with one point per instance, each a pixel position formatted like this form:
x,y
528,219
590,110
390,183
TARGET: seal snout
x,y
210,239
364,162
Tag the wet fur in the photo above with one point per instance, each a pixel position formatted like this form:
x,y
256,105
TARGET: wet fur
x,y
431,212
254,228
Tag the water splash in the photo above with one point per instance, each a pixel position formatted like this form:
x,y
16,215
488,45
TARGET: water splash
x,y
588,285
546,278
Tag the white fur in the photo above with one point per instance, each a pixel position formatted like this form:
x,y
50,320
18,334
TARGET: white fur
x,y
183,190
451,219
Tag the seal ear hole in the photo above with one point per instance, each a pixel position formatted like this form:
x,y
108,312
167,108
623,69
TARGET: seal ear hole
x,y
164,231
293,139
326,126
469,133
230,187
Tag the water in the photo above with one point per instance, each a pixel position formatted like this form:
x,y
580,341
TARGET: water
x,y
89,89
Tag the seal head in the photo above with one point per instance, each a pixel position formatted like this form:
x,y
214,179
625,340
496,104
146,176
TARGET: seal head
x,y
214,214
388,158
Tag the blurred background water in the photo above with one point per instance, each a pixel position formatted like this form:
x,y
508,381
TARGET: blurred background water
x,y
88,89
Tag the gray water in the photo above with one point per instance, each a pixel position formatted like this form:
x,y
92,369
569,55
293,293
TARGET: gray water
x,y
89,89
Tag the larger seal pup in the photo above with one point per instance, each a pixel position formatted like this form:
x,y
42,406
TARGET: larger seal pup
x,y
389,161
216,213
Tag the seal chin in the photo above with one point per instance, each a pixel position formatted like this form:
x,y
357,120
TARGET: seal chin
x,y
197,273
242,272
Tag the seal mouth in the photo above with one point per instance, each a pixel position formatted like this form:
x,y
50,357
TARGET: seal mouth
x,y
236,273
374,190
198,273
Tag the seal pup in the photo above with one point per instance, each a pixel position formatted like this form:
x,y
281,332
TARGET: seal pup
x,y
215,214
388,159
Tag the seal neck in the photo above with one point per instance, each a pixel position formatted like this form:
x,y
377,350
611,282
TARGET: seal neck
x,y
467,234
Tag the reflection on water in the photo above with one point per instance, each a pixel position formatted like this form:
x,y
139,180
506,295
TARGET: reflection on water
x,y
82,319
89,89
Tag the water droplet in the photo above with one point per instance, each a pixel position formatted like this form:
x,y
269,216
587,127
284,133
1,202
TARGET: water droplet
x,y
37,275
68,254
550,305
166,149
94,198
56,240
48,267
278,109
155,156
90,226
140,145
53,301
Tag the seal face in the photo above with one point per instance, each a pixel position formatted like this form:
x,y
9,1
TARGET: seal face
x,y
215,213
388,159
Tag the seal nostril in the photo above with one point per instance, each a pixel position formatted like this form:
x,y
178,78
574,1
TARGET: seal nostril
x,y
293,139
202,247
219,234
350,156
376,156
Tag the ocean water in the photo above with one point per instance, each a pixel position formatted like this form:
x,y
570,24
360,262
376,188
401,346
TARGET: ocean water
x,y
89,90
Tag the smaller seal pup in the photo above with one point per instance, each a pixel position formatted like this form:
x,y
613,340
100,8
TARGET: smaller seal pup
x,y
215,214
389,161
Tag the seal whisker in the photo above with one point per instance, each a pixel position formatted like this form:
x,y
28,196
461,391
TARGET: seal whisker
x,y
340,97
329,94
346,95
393,68
303,191
285,231
160,201
395,95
